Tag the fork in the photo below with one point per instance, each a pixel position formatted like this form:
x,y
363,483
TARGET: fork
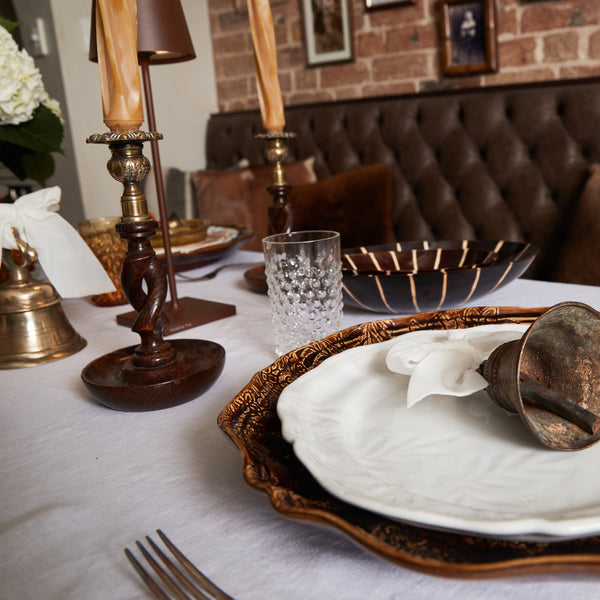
x,y
184,583
212,274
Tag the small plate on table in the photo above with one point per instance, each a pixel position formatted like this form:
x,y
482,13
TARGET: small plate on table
x,y
216,243
271,465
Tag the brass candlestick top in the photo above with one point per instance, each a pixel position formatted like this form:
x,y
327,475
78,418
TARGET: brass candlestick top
x,y
276,152
129,167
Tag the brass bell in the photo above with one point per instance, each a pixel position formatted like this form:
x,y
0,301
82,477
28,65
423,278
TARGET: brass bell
x,y
33,326
551,377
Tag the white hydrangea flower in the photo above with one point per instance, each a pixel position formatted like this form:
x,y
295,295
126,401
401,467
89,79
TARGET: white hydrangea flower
x,y
53,105
21,87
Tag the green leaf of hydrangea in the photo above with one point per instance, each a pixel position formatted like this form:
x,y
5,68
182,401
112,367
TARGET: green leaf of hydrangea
x,y
43,133
27,164
11,156
39,166
10,26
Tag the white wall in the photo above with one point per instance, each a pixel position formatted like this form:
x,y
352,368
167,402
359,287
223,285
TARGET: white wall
x,y
184,96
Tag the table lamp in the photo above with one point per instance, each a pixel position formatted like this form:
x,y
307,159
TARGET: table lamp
x,y
163,37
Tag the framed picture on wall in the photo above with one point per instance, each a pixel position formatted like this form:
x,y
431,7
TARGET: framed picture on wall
x,y
469,38
374,4
327,31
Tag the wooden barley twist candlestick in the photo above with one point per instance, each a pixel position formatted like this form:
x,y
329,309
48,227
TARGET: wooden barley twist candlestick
x,y
129,166
156,373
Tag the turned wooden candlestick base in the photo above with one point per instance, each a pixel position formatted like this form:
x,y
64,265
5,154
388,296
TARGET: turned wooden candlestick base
x,y
155,374
115,381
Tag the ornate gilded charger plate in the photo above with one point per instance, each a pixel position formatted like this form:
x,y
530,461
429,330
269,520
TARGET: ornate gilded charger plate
x,y
270,464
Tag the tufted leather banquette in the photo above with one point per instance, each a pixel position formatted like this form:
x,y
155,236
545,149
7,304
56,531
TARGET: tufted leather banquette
x,y
486,164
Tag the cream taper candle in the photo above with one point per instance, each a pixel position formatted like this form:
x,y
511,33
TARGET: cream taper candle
x,y
116,38
265,58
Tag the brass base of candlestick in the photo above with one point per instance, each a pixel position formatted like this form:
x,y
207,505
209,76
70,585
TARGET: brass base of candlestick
x,y
156,373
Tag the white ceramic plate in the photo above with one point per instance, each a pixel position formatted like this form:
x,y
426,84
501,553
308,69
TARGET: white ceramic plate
x,y
459,464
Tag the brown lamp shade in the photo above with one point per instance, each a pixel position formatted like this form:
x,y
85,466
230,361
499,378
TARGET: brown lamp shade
x,y
163,35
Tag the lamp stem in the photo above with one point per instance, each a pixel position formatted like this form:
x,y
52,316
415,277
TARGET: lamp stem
x,y
160,189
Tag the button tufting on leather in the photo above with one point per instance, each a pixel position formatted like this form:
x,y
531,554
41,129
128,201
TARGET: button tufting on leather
x,y
519,153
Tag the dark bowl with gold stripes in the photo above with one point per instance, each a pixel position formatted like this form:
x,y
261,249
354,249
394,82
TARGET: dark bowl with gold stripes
x,y
410,277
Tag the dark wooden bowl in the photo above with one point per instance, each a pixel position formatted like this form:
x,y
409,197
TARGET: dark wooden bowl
x,y
392,259
405,278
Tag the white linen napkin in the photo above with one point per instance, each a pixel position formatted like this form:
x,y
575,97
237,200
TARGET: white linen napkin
x,y
445,362
66,259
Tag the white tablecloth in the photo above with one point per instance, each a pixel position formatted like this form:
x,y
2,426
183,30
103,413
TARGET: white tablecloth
x,y
81,482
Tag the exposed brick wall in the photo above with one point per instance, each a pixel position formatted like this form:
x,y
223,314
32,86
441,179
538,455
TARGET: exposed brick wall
x,y
397,50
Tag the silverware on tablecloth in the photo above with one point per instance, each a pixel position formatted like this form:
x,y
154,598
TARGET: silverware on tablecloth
x,y
213,273
185,581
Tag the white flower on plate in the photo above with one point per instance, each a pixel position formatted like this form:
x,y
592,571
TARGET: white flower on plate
x,y
21,86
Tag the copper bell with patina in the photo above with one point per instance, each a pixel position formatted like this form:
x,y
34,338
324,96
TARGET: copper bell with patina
x,y
551,377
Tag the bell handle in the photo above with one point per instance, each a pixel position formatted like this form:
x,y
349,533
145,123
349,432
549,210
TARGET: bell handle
x,y
19,271
553,402
498,369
